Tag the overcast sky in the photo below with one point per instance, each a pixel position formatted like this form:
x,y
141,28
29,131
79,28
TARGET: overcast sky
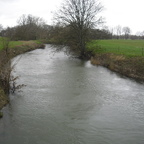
x,y
116,12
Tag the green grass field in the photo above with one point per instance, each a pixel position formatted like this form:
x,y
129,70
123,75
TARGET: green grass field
x,y
126,47
12,44
129,48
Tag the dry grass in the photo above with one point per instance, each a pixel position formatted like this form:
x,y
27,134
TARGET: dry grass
x,y
131,67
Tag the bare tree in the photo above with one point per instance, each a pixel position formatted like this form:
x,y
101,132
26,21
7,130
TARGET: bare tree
x,y
126,31
29,27
1,27
30,19
118,31
79,16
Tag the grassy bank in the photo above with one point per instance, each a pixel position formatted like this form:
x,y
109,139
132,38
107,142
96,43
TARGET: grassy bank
x,y
15,48
123,56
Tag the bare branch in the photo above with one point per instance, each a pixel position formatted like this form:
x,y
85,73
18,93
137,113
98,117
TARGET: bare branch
x,y
80,16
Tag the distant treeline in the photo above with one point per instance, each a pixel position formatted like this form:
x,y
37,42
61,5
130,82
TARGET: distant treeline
x,y
32,28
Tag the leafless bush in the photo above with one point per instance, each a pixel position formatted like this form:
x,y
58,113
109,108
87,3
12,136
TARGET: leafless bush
x,y
14,86
7,81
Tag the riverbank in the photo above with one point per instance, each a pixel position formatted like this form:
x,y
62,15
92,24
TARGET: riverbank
x,y
19,49
132,67
122,56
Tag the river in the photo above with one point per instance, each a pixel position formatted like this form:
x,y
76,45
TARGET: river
x,y
69,101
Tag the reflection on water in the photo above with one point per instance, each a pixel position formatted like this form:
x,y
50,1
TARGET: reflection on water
x,y
69,101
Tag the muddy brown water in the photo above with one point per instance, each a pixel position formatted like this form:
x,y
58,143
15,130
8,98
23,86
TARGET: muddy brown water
x,y
69,101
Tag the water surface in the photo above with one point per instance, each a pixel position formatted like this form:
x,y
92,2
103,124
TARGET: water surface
x,y
69,101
